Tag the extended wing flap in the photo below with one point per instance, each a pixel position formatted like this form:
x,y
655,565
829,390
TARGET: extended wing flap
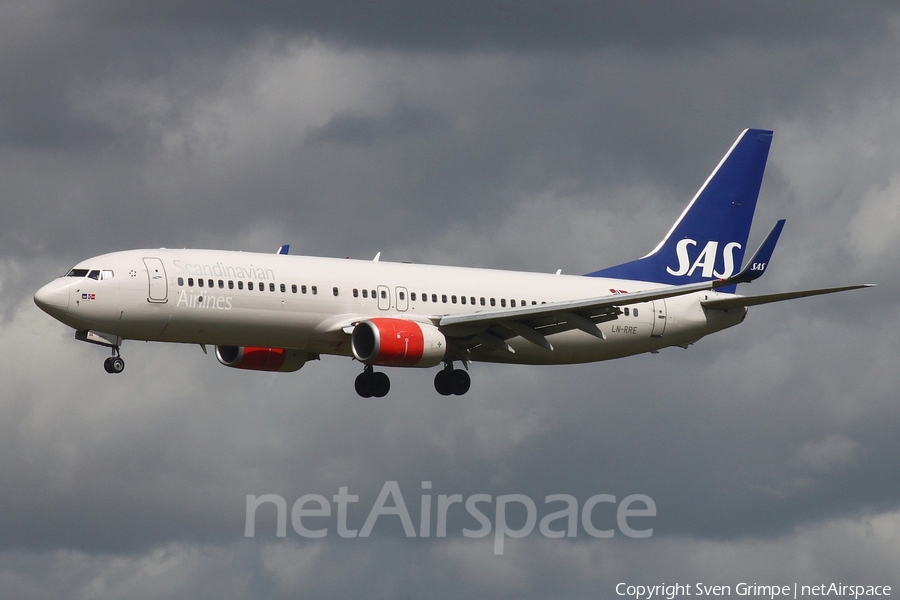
x,y
745,301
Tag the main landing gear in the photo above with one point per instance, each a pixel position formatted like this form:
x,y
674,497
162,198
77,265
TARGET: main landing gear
x,y
114,364
450,381
371,383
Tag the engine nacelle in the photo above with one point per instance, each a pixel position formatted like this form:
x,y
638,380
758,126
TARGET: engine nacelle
x,y
252,358
397,343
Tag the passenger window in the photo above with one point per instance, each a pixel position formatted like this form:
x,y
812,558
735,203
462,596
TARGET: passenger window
x,y
472,299
314,289
190,282
462,299
503,302
412,296
302,289
250,285
230,284
482,300
434,298
356,292
283,288
365,293
240,285
271,287
512,303
626,311
402,296
444,298
293,288
493,302
199,283
262,287
334,291
635,312
181,281
221,285
383,294
453,299
424,297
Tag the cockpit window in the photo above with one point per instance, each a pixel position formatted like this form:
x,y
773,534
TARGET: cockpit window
x,y
97,274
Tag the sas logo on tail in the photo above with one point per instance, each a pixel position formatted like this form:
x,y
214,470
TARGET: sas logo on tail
x,y
706,260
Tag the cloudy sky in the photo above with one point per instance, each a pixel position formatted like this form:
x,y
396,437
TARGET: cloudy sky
x,y
520,135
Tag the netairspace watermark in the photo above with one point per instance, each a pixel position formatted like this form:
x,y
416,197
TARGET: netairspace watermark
x,y
557,524
753,590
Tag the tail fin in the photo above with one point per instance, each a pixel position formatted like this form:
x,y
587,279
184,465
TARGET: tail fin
x,y
709,238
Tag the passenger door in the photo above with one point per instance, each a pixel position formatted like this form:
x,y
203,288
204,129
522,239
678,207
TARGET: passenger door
x,y
158,284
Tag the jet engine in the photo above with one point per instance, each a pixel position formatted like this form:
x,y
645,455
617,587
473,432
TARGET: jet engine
x,y
253,358
397,343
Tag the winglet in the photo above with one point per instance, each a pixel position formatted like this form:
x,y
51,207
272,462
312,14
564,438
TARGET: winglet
x,y
283,249
757,264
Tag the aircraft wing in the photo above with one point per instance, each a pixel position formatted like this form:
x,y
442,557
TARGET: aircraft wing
x,y
535,322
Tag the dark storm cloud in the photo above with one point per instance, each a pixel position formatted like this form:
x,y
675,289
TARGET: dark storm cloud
x,y
117,83
498,25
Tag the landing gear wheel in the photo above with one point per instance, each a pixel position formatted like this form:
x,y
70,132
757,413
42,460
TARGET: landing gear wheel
x,y
363,385
114,364
451,382
443,383
381,385
460,382
369,384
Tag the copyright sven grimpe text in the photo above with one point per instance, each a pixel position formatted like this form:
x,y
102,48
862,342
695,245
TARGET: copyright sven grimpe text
x,y
750,590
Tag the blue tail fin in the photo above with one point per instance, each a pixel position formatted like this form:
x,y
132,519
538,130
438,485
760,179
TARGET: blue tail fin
x,y
709,238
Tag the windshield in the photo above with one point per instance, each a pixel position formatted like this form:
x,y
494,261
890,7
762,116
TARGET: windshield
x,y
97,274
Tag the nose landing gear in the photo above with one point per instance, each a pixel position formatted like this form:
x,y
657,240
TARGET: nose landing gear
x,y
114,364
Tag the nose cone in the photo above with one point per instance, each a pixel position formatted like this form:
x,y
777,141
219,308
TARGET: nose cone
x,y
53,299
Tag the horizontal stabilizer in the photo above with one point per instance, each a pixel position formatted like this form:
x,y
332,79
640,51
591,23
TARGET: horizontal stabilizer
x,y
745,301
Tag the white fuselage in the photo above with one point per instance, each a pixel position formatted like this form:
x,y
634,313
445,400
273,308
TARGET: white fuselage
x,y
299,302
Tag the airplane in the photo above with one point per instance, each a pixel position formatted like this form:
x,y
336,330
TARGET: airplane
x,y
276,312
